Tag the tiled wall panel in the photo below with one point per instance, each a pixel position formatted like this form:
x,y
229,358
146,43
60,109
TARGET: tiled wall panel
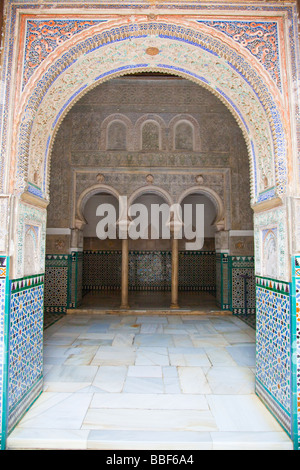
x,y
57,279
273,346
3,346
76,279
222,281
295,362
149,270
242,282
25,345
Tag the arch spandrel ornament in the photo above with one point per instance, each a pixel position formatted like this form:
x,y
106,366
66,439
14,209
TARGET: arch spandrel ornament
x,y
188,51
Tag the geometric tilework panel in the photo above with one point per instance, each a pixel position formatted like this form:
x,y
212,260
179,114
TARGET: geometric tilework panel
x,y
56,283
149,270
76,279
222,276
197,270
101,270
296,322
79,261
2,345
297,283
242,284
56,288
26,344
273,345
218,279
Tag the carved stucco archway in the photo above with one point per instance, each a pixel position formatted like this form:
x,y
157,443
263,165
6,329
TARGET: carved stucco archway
x,y
78,218
185,49
188,48
220,221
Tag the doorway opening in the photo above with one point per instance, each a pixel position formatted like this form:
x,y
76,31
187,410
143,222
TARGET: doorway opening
x,y
154,139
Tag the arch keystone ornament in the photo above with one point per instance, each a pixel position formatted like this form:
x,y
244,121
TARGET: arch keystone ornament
x,y
246,54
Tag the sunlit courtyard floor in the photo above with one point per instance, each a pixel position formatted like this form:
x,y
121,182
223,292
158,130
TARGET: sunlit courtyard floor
x,y
149,382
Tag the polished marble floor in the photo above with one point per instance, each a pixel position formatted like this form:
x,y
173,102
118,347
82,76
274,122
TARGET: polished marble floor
x,y
149,382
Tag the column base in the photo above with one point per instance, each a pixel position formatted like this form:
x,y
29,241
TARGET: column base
x,y
174,306
123,307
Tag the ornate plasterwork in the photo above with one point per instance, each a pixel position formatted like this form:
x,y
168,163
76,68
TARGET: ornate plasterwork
x,y
214,66
260,38
271,240
43,36
30,238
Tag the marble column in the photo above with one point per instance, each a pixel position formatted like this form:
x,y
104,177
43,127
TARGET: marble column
x,y
124,281
175,266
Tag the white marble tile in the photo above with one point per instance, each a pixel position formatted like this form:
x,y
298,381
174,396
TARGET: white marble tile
x,y
231,380
69,378
209,341
251,441
149,401
188,357
58,411
238,337
172,330
147,420
41,439
182,341
193,380
148,328
225,326
153,340
243,354
63,340
123,340
144,371
163,405
152,319
241,413
219,357
110,378
54,361
70,330
171,385
143,385
149,440
174,319
95,336
152,356
169,371
81,356
56,351
114,356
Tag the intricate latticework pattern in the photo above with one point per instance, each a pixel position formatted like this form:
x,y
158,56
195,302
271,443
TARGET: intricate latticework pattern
x,y
259,38
149,270
26,343
273,345
296,340
57,273
222,278
243,284
102,270
2,333
197,270
44,36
